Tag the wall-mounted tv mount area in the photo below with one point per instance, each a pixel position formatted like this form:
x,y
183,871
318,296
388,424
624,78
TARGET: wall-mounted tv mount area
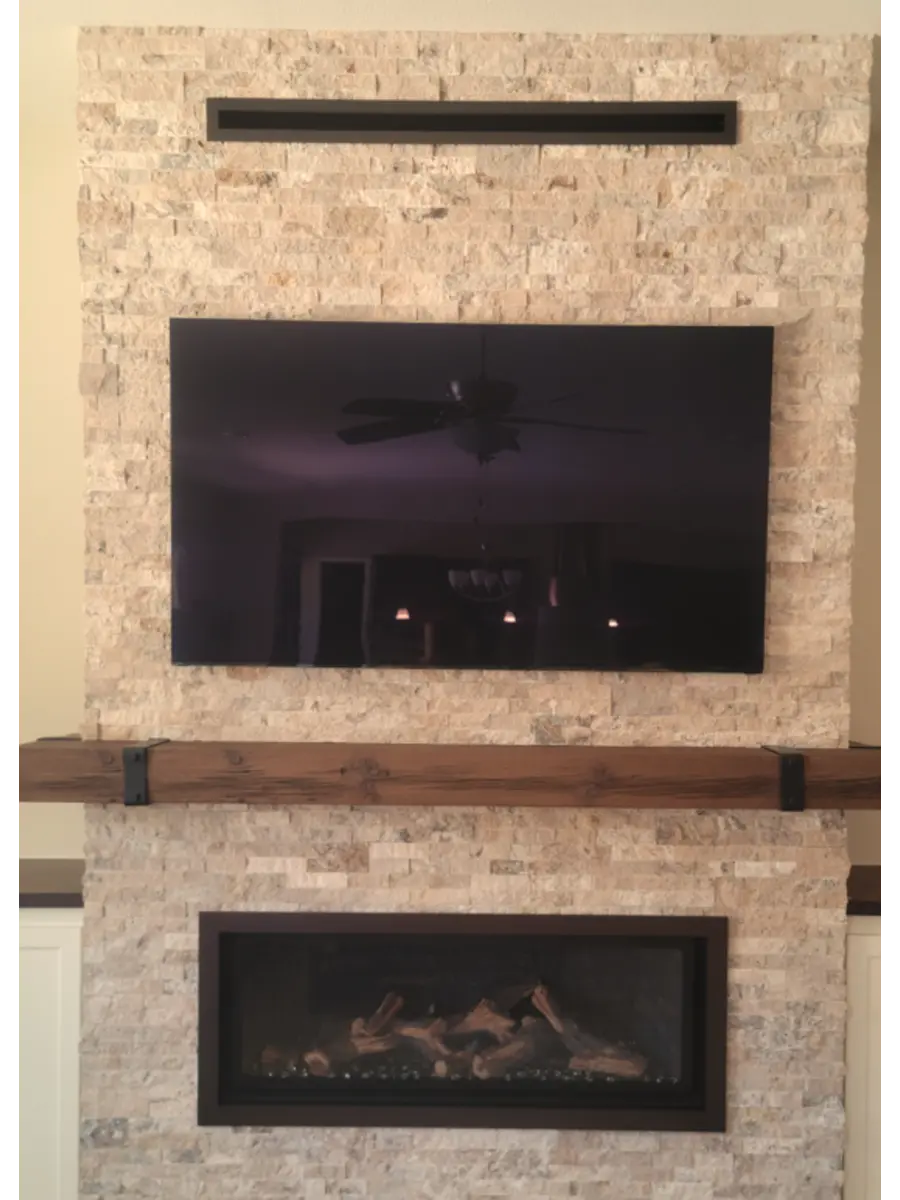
x,y
672,123
385,494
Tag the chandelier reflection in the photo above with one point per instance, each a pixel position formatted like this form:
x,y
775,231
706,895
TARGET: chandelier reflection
x,y
485,584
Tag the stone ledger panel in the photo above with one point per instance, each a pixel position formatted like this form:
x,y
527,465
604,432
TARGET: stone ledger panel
x,y
766,232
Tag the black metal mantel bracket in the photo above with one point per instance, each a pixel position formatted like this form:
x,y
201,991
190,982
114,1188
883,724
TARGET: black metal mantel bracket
x,y
791,778
135,761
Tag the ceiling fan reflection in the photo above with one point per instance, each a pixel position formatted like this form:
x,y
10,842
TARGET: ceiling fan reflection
x,y
480,414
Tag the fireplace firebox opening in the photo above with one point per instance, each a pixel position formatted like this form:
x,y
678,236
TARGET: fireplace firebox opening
x,y
583,1022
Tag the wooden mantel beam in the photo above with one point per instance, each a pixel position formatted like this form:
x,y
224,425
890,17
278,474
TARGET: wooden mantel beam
x,y
506,776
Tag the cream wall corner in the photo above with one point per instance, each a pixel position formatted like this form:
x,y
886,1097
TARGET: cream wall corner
x,y
862,1160
49,1027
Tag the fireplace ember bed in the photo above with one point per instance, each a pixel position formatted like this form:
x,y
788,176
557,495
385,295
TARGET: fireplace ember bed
x,y
583,1022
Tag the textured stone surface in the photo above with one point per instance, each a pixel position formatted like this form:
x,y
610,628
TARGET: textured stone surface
x,y
769,231
779,879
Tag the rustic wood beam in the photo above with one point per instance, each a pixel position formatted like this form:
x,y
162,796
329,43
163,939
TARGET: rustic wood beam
x,y
707,777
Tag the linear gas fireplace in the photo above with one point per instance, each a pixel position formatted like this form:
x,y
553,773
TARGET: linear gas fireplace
x,y
462,1020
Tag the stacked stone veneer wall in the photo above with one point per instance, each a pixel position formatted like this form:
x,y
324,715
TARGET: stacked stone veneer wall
x,y
768,231
780,880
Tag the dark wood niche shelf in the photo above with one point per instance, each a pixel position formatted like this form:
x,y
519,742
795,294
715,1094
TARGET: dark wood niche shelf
x,y
685,777
864,891
56,883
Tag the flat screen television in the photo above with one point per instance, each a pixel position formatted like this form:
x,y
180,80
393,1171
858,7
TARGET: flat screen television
x,y
461,496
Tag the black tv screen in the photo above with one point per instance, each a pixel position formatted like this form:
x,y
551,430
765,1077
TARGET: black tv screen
x,y
469,496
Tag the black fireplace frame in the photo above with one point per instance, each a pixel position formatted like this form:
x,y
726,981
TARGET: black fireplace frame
x,y
709,1116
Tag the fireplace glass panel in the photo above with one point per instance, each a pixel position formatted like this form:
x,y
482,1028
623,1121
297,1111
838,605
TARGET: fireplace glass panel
x,y
409,1018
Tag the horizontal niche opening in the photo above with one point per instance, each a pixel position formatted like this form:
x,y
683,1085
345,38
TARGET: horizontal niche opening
x,y
474,123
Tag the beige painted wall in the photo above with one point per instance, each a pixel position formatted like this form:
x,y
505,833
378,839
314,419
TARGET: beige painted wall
x,y
865,691
51,682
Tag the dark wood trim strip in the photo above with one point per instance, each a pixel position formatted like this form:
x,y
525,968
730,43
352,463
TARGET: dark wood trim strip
x,y
51,876
51,882
864,891
51,900
675,777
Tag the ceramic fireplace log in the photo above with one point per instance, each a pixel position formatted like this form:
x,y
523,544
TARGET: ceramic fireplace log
x,y
589,1053
516,1043
383,1015
427,1037
365,1042
528,1044
319,1062
381,1033
276,1058
610,1062
485,1017
323,1060
363,1036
